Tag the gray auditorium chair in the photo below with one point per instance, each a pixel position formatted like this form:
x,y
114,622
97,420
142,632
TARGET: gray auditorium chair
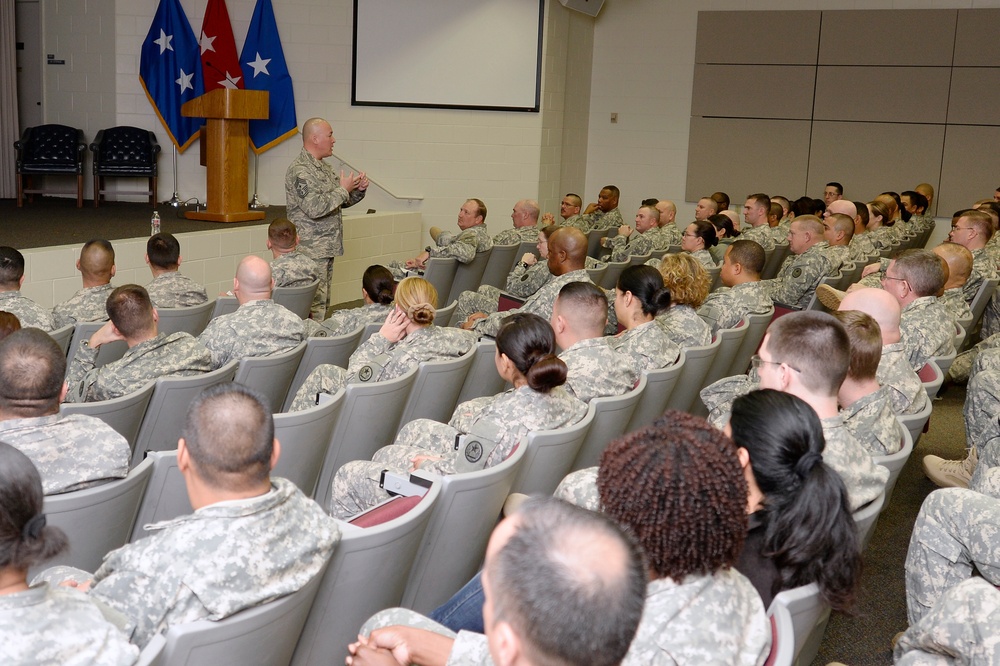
x,y
296,299
801,617
730,340
697,361
124,414
549,457
63,336
305,440
866,517
335,350
435,390
225,305
914,423
660,386
440,272
501,260
271,375
895,462
106,353
757,327
191,320
483,378
611,417
166,495
468,276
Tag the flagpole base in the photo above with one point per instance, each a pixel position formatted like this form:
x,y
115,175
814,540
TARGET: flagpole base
x,y
174,201
256,203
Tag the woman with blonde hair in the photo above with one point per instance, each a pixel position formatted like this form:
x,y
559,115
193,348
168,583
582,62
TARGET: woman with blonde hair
x,y
689,284
407,338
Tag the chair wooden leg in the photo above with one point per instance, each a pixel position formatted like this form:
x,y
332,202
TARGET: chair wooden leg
x,y
20,191
152,190
97,190
79,190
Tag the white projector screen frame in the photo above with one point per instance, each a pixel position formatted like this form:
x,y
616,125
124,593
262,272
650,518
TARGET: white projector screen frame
x,y
459,54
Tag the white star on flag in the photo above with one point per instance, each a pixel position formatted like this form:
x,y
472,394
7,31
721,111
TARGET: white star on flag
x,y
164,41
230,81
206,43
185,81
259,65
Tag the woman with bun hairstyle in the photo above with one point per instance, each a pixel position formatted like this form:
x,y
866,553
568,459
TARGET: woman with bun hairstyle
x,y
407,338
377,287
639,297
43,624
526,358
698,239
801,530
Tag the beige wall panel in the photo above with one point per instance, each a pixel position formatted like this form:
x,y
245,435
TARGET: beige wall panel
x,y
869,158
975,96
743,156
971,167
749,38
882,94
977,41
753,91
888,37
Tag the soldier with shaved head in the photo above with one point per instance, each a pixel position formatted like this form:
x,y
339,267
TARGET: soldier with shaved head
x,y
805,267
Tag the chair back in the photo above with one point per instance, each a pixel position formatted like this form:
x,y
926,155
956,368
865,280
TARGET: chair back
x,y
367,422
611,416
461,521
714,277
660,385
482,378
639,259
305,439
866,517
894,462
296,299
442,316
63,336
50,149
500,263
368,331
153,653
225,305
468,276
697,361
981,298
610,278
334,350
166,495
106,353
549,456
125,151
264,634
932,378
914,423
756,328
944,362
830,281
436,388
440,272
271,375
773,263
191,320
801,616
597,274
347,596
168,407
124,414
851,273
97,520
730,340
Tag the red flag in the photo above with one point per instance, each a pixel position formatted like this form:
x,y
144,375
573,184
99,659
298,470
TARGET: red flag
x,y
219,62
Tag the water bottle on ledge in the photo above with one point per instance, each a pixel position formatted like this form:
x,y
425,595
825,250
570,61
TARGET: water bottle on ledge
x,y
154,224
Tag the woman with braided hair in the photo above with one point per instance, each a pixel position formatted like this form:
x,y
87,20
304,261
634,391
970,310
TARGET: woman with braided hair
x,y
526,358
407,338
801,528
42,624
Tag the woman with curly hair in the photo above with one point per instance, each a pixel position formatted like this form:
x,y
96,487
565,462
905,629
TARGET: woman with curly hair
x,y
698,239
407,338
42,624
526,358
801,528
688,283
639,297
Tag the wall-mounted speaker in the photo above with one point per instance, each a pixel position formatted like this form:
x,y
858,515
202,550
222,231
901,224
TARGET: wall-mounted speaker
x,y
588,7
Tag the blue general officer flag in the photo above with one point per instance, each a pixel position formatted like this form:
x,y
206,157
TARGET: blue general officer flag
x,y
264,68
170,71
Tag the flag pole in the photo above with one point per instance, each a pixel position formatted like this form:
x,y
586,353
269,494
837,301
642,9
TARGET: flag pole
x,y
175,201
256,203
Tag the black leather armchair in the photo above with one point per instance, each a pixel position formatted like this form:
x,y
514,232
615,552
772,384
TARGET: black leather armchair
x,y
127,152
49,150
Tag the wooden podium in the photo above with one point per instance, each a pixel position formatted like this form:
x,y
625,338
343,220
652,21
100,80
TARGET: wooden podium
x,y
226,145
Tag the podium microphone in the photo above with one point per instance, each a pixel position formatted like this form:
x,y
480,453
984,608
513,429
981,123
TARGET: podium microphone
x,y
229,82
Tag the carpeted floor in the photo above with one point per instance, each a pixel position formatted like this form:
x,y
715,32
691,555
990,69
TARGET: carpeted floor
x,y
864,639
56,221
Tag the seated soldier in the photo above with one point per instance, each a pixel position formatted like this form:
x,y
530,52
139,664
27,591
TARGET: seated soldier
x,y
150,354
71,451
742,293
259,327
838,230
463,247
594,369
525,229
755,214
804,268
640,297
635,242
377,291
290,267
914,278
787,361
170,288
865,405
959,262
250,540
12,300
97,266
